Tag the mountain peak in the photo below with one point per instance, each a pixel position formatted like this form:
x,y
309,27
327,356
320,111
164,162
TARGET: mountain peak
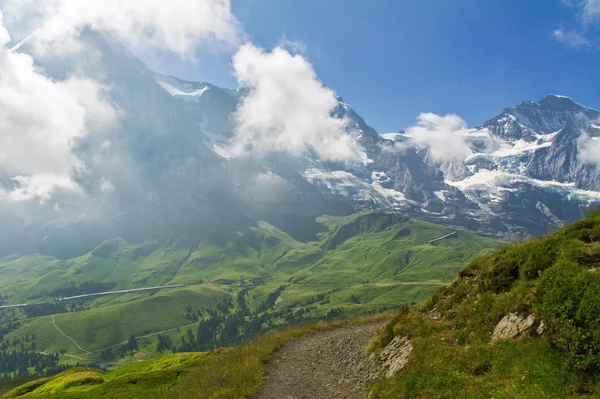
x,y
554,102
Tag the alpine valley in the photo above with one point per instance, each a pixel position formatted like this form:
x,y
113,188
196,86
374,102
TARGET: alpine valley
x,y
245,244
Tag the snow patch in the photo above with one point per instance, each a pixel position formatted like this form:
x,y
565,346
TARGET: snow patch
x,y
494,182
346,184
390,136
540,206
218,144
378,178
191,96
441,194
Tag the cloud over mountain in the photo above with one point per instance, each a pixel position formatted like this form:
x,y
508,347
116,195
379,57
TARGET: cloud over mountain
x,y
287,108
441,136
179,26
40,121
589,149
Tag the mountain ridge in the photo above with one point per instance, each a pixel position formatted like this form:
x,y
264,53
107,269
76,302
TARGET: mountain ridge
x,y
167,166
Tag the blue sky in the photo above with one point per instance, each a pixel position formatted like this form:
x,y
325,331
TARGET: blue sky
x,y
393,59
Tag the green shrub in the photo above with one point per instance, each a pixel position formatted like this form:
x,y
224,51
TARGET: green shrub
x,y
502,276
568,304
540,256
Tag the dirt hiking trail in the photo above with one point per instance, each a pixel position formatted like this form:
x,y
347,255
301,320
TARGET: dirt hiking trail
x,y
324,365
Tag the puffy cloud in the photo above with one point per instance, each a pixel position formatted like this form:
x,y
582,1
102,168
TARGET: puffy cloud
x,y
174,25
589,149
40,122
442,136
287,108
40,186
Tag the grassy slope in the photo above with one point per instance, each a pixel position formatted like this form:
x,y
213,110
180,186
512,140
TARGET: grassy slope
x,y
382,260
101,327
556,278
225,373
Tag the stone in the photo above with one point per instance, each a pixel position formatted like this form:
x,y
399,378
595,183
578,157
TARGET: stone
x,y
511,326
394,356
541,328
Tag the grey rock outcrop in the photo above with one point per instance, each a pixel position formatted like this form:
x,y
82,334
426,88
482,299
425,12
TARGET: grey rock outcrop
x,y
395,355
512,325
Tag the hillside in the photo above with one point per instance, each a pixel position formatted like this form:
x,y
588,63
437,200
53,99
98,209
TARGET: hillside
x,y
522,322
234,287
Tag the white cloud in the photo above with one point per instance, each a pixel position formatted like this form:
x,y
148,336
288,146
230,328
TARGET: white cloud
x,y
106,185
442,136
589,149
293,46
174,25
40,121
591,10
572,38
40,186
584,35
287,108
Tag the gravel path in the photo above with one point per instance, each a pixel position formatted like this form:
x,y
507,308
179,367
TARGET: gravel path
x,y
323,365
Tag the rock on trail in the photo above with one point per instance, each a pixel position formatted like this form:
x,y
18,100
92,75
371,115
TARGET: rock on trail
x,y
323,365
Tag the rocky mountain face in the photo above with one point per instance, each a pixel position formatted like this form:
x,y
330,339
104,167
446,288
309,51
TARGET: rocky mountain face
x,y
170,168
524,172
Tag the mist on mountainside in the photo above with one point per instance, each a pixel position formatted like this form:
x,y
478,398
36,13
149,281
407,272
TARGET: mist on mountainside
x,y
170,163
144,155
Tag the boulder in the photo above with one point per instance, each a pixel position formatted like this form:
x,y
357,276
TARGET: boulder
x,y
512,325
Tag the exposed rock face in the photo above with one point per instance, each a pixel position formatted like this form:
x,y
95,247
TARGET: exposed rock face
x,y
395,355
512,325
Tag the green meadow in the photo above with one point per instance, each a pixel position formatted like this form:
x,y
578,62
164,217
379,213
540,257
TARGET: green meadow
x,y
364,263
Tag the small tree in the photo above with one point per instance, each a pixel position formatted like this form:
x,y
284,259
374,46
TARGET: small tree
x,y
132,344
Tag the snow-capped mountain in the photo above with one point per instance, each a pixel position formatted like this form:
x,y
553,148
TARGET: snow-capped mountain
x,y
524,172
169,168
534,153
523,175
